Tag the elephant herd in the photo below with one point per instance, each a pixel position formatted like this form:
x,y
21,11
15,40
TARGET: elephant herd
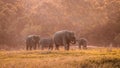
x,y
60,38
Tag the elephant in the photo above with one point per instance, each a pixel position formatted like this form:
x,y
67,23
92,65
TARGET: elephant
x,y
82,42
32,41
64,37
46,42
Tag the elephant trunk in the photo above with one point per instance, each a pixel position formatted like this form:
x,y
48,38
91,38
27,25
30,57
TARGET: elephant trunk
x,y
73,41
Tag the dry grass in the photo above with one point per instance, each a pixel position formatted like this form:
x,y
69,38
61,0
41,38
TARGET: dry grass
x,y
92,58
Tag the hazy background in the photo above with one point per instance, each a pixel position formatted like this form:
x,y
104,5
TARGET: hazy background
x,y
96,20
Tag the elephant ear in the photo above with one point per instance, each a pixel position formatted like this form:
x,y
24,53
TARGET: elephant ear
x,y
68,34
72,33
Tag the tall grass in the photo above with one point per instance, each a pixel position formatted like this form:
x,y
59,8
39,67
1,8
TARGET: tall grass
x,y
92,58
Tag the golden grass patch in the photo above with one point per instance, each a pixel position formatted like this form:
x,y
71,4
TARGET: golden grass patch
x,y
92,58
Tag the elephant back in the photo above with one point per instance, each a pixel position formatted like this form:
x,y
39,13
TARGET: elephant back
x,y
82,41
33,38
46,41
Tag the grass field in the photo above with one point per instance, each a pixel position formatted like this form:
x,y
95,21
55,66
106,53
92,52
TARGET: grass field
x,y
92,58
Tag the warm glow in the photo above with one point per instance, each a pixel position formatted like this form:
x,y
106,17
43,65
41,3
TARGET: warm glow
x,y
97,22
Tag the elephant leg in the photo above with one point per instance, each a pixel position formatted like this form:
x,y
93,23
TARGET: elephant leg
x,y
50,47
38,46
79,46
34,47
57,47
42,48
30,47
27,47
84,46
66,44
67,47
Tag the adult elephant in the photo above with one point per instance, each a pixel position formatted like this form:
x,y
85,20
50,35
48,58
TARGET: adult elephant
x,y
46,43
82,42
32,41
64,37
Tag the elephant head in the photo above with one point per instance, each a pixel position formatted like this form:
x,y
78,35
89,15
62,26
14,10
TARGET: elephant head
x,y
71,37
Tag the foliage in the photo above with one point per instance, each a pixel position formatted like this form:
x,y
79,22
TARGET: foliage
x,y
97,20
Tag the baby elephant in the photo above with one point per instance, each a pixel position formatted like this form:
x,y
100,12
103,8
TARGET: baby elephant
x,y
82,42
46,43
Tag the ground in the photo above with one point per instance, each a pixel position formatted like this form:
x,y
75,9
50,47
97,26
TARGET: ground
x,y
91,58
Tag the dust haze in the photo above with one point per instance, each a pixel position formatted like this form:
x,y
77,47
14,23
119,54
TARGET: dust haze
x,y
96,20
